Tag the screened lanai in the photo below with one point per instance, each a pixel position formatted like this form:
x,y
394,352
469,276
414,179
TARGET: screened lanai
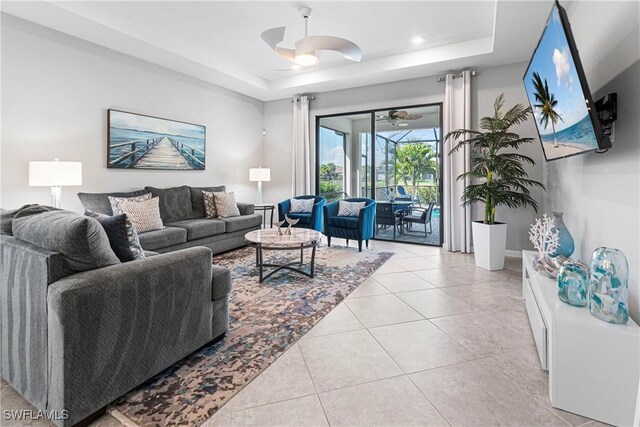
x,y
400,169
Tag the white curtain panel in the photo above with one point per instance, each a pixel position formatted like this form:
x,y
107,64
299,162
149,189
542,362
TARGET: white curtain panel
x,y
301,159
457,115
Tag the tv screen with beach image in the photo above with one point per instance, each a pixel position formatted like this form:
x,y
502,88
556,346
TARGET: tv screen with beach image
x,y
557,96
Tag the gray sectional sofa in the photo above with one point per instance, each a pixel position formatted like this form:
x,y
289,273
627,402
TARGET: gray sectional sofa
x,y
182,212
80,329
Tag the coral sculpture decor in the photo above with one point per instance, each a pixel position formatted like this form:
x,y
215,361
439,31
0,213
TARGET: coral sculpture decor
x,y
544,236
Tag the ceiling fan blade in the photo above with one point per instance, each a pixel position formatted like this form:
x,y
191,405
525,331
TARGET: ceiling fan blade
x,y
274,36
288,54
347,48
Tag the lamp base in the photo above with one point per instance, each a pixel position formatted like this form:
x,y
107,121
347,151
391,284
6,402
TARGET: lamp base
x,y
259,194
56,194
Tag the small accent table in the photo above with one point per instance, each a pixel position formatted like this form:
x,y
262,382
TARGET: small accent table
x,y
299,239
264,208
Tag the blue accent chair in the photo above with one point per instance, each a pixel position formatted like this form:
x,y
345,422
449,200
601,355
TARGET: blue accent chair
x,y
358,228
311,220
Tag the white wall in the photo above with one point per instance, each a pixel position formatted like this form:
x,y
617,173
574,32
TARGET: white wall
x,y
485,87
599,193
55,94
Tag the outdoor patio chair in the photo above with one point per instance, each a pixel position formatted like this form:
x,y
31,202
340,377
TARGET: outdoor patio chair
x,y
418,215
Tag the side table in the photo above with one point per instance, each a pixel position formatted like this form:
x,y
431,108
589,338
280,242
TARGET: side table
x,y
266,208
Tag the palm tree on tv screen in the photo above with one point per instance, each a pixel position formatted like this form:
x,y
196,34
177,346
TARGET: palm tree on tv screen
x,y
546,105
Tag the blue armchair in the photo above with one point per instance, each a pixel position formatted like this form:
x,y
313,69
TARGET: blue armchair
x,y
311,220
358,228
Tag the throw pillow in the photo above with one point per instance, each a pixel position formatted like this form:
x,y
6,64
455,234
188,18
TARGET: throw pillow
x,y
122,235
7,217
145,215
209,204
349,208
116,202
81,240
301,205
226,205
197,202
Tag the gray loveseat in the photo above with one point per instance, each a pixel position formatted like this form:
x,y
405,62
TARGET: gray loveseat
x,y
80,329
183,214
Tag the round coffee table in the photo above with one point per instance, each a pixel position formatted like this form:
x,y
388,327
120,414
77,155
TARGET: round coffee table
x,y
299,239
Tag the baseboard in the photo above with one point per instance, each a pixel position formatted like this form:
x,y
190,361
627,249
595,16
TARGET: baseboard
x,y
516,254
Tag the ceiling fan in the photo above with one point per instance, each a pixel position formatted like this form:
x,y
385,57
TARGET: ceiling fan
x,y
304,51
396,116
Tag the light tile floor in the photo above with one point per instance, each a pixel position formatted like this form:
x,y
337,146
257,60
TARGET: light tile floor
x,y
427,340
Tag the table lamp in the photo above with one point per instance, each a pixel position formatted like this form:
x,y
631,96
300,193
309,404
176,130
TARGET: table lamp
x,y
259,175
55,174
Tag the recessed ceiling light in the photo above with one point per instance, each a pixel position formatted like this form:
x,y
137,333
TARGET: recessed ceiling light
x,y
417,40
403,124
295,67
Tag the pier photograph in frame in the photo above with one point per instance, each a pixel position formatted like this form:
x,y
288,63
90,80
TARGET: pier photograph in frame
x,y
137,141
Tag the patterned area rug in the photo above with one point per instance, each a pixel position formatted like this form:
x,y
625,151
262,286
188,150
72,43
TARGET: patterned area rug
x,y
265,319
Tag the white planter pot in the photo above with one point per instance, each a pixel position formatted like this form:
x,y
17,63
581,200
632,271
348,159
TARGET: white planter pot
x,y
489,244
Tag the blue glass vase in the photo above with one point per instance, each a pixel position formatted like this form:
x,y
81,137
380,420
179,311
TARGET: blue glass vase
x,y
572,284
566,240
609,286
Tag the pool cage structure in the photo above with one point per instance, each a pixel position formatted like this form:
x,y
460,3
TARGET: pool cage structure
x,y
421,183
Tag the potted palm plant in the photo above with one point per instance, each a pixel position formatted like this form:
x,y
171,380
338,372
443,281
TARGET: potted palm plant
x,y
497,177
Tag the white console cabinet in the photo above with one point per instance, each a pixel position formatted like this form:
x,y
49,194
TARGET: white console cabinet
x,y
593,366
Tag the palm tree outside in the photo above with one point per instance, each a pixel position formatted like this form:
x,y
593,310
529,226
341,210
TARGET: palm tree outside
x,y
546,105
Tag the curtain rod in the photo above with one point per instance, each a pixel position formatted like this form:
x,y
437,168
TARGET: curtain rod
x,y
456,76
297,98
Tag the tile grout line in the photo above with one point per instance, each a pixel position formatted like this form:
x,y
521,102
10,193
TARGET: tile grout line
x,y
429,400
408,376
304,360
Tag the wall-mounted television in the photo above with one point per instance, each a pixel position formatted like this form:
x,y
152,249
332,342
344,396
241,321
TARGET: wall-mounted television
x,y
564,112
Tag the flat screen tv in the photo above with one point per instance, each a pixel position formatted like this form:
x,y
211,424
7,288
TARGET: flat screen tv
x,y
558,92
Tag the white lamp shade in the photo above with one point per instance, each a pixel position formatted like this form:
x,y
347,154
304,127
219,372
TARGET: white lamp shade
x,y
260,174
55,174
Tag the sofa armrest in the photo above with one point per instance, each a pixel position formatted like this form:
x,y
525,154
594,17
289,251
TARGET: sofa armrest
x,y
246,208
112,328
220,282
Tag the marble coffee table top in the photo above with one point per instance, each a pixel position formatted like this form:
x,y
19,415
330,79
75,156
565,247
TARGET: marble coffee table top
x,y
298,236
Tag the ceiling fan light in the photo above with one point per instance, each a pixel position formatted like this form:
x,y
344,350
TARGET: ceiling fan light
x,y
306,59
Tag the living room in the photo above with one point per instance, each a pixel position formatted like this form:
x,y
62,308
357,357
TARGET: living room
x,y
256,231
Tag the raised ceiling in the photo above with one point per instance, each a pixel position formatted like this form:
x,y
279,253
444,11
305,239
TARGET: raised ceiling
x,y
219,42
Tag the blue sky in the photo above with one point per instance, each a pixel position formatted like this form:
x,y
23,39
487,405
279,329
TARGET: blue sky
x,y
122,120
554,63
331,149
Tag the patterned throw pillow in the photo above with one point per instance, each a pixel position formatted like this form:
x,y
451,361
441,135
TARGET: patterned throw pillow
x,y
116,202
209,204
145,215
349,208
226,205
301,205
123,237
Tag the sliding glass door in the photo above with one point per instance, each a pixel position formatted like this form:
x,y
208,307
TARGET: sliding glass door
x,y
393,156
342,156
